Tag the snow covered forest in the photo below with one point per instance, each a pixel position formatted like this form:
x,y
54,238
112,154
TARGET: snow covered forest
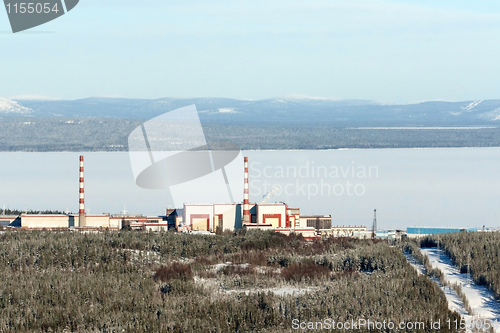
x,y
111,134
480,251
234,282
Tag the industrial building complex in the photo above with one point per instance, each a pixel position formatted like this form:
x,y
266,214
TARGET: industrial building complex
x,y
212,218
190,218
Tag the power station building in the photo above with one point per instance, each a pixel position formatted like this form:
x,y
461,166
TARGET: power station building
x,y
229,217
275,216
212,217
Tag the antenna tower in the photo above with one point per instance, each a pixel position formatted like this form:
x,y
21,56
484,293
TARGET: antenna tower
x,y
374,226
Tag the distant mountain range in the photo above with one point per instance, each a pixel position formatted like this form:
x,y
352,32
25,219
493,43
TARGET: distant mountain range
x,y
284,111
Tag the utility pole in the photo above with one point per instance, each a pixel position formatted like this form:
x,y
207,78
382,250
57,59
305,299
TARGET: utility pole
x,y
374,226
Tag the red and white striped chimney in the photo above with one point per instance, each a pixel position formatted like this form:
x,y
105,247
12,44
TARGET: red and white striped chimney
x,y
82,195
246,207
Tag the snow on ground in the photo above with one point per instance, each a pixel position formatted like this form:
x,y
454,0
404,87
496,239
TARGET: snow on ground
x,y
454,301
9,106
149,256
471,106
419,267
216,287
492,115
283,291
279,291
481,300
218,267
227,110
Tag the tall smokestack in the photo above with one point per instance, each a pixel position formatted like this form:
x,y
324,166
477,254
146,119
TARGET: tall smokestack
x,y
246,207
82,195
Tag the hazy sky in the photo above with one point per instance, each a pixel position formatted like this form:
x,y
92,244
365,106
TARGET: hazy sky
x,y
392,51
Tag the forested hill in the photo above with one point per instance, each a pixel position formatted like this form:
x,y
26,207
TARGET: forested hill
x,y
104,124
108,134
338,113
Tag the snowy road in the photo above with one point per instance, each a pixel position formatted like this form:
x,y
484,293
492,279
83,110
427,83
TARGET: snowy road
x,y
454,301
480,299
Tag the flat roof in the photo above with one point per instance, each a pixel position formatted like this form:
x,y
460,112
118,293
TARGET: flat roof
x,y
348,226
441,227
61,215
47,215
315,216
273,204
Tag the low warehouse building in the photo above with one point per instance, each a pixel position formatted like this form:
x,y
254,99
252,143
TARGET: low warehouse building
x,y
139,222
65,221
348,231
307,233
363,234
414,232
318,222
40,221
96,221
10,220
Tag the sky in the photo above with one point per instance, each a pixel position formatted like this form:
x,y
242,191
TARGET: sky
x,y
387,51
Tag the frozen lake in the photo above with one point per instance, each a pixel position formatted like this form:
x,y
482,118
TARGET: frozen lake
x,y
448,187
